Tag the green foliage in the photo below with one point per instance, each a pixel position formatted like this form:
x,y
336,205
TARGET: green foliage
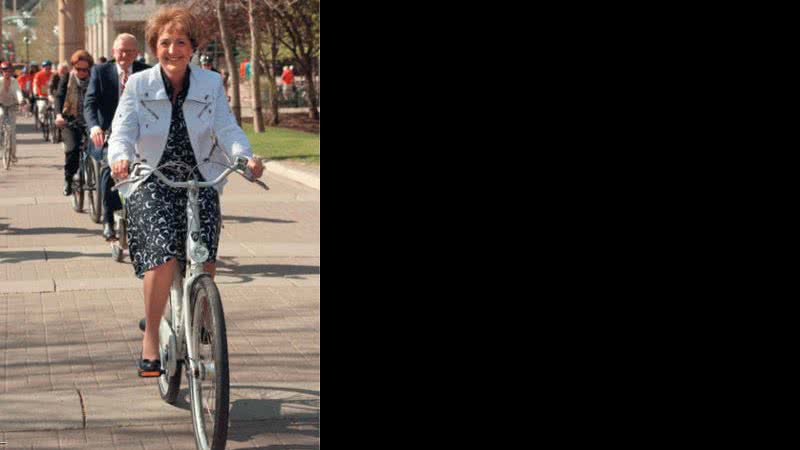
x,y
281,143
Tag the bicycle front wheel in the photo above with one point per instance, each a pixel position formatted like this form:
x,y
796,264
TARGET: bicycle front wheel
x,y
45,130
55,132
93,184
209,385
77,191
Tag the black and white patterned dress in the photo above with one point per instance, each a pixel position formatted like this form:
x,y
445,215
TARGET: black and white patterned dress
x,y
157,212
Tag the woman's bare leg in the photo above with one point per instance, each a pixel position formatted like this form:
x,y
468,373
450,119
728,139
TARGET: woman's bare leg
x,y
157,283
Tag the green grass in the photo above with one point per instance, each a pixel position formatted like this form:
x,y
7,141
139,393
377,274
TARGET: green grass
x,y
281,143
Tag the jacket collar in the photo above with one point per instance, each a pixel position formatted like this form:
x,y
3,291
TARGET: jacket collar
x,y
155,89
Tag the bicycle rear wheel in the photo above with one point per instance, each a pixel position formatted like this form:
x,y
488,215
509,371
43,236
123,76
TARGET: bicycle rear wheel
x,y
210,385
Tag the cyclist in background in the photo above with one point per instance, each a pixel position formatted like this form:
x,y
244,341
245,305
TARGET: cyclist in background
x,y
106,85
40,83
25,80
10,97
69,113
52,86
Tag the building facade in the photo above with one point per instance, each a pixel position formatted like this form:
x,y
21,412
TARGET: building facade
x,y
105,19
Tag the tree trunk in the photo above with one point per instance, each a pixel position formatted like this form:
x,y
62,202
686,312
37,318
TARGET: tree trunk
x,y
236,103
269,62
273,86
255,79
311,88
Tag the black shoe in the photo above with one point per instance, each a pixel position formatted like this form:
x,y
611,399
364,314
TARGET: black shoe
x,y
108,232
142,324
149,369
67,188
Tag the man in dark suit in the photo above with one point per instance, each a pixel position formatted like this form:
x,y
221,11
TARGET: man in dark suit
x,y
102,97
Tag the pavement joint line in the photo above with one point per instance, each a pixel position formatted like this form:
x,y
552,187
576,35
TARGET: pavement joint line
x,y
146,423
83,408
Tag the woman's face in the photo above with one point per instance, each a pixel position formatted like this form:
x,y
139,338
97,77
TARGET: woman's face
x,y
174,51
82,69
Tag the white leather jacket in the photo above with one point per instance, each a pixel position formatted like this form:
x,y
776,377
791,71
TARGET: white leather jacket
x,y
142,121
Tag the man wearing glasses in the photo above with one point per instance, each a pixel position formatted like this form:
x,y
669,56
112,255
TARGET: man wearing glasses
x,y
106,85
69,113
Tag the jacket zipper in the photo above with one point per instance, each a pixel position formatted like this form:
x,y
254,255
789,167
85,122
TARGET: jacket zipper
x,y
204,110
148,108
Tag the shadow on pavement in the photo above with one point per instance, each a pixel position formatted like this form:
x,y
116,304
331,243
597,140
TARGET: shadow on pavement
x,y
17,256
255,416
247,273
243,219
4,228
304,420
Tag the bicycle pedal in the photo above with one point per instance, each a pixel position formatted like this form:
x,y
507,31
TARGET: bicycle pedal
x,y
154,374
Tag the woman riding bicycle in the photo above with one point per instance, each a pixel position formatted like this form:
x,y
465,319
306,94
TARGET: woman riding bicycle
x,y
10,97
69,113
169,114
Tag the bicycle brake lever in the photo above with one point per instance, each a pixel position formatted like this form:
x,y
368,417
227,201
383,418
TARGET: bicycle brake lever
x,y
247,175
262,184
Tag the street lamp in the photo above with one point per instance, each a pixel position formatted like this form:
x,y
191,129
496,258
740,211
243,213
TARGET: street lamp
x,y
26,40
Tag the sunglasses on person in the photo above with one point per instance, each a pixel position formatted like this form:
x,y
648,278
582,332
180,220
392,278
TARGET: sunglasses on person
x,y
82,70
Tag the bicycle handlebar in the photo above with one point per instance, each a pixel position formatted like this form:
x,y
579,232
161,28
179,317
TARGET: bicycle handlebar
x,y
240,167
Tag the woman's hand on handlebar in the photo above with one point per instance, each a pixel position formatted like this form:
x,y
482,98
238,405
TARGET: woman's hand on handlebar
x,y
256,167
119,169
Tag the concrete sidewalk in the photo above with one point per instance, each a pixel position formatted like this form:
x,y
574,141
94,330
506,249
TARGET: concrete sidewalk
x,y
68,319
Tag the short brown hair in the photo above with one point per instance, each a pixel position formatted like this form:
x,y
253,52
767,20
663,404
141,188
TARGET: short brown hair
x,y
81,55
168,17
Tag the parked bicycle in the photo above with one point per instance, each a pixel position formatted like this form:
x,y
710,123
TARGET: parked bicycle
x,y
6,148
192,333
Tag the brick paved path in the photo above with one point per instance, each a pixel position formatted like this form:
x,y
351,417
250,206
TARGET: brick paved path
x,y
69,314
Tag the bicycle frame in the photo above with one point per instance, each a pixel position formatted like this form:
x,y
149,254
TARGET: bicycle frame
x,y
196,254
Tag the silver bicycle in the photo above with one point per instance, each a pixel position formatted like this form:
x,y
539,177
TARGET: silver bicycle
x,y
192,332
5,135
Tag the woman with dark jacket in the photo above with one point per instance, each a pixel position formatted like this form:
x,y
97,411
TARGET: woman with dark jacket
x,y
69,113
